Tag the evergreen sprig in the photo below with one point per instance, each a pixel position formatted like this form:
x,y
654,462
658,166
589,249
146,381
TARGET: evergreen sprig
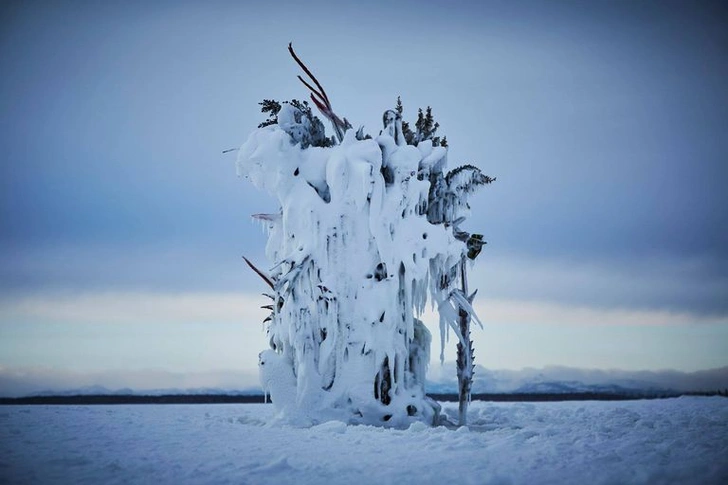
x,y
425,127
273,107
466,178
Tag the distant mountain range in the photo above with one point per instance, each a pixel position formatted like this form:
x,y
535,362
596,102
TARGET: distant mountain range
x,y
441,380
103,391
555,379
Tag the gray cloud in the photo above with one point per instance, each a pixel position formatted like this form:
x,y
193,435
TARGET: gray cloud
x,y
604,124
672,285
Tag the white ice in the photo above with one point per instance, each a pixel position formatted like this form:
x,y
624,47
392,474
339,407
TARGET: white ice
x,y
354,258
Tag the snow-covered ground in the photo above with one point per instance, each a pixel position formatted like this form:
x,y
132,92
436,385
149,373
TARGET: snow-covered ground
x,y
682,440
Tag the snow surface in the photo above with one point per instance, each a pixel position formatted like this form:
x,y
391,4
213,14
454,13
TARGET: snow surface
x,y
682,440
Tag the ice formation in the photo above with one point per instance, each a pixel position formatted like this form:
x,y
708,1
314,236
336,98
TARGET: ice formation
x,y
367,230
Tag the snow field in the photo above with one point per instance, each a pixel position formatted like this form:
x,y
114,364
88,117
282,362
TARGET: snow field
x,y
683,440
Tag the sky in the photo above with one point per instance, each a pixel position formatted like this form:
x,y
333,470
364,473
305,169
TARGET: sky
x,y
122,224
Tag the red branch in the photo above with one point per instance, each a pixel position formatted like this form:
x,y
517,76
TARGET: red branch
x,y
265,277
319,97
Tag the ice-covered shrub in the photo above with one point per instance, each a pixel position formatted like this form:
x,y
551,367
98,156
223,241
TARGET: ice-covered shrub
x,y
366,230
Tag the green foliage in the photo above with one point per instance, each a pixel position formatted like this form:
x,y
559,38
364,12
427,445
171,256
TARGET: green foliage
x,y
273,107
360,135
425,127
409,135
399,108
465,179
474,244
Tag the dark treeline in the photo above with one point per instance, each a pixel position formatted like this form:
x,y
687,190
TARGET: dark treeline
x,y
553,397
137,399
258,398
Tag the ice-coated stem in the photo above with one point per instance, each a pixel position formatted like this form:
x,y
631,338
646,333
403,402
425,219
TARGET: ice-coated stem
x,y
465,352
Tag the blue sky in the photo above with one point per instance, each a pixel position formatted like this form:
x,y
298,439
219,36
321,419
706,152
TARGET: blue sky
x,y
122,225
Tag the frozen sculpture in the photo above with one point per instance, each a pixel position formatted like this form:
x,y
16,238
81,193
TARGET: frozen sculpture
x,y
367,229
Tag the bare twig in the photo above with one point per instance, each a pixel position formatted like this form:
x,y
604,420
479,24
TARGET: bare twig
x,y
265,277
